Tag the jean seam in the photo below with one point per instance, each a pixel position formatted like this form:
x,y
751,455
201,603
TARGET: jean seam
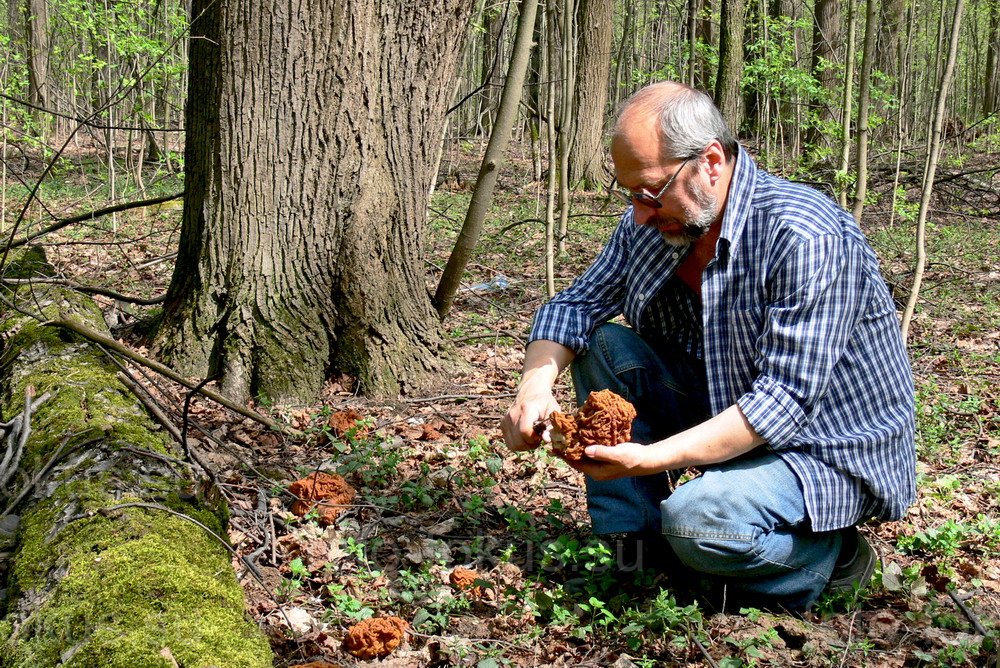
x,y
602,341
687,533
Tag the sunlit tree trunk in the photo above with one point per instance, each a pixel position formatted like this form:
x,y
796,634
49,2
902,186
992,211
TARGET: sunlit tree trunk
x,y
727,83
848,98
930,169
595,26
482,196
864,107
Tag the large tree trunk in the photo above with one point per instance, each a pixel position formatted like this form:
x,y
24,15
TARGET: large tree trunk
x,y
595,28
106,572
727,84
312,131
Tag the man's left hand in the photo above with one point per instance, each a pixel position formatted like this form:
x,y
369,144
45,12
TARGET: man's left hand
x,y
624,460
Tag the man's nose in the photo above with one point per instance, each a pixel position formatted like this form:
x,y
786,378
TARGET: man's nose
x,y
641,213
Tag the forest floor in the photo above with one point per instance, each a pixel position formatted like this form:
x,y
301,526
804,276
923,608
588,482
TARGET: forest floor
x,y
437,490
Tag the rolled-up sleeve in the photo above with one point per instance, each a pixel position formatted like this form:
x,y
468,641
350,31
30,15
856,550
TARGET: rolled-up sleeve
x,y
816,292
594,297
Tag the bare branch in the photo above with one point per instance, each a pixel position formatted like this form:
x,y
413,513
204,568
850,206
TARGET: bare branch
x,y
91,215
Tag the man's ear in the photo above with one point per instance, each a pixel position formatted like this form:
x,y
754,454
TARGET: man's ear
x,y
715,155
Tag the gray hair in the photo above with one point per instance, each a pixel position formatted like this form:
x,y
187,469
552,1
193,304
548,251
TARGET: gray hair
x,y
689,119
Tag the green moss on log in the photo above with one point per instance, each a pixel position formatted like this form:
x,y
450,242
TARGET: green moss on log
x,y
136,582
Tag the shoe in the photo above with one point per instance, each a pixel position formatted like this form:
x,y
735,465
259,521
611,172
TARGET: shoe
x,y
854,566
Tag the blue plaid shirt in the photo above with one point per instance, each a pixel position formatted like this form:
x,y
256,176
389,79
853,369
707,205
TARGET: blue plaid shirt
x,y
794,324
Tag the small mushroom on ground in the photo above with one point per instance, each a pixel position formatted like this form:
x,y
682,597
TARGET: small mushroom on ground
x,y
464,579
376,637
327,491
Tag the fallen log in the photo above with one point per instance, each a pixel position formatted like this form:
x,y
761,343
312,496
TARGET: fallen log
x,y
115,563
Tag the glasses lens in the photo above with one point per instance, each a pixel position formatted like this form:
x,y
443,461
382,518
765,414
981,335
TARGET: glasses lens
x,y
623,196
646,200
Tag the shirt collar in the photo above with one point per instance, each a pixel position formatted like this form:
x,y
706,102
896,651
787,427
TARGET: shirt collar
x,y
741,189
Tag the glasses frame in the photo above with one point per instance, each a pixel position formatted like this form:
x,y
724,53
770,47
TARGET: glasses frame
x,y
651,201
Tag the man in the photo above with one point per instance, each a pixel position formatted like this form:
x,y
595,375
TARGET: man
x,y
763,350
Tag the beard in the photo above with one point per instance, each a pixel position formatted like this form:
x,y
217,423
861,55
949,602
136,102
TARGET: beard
x,y
697,218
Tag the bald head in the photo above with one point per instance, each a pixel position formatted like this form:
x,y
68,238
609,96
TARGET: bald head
x,y
685,120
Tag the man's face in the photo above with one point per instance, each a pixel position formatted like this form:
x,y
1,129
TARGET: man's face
x,y
688,205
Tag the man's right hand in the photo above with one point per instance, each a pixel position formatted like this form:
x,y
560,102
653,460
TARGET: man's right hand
x,y
543,361
518,425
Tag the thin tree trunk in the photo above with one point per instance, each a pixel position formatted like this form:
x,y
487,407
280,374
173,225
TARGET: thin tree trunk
x,y
565,139
931,168
36,32
692,36
847,103
864,106
482,196
826,41
550,134
991,82
706,36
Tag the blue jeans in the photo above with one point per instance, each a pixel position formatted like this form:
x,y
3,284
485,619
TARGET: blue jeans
x,y
742,523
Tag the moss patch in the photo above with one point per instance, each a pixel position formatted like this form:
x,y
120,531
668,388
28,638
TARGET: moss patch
x,y
134,583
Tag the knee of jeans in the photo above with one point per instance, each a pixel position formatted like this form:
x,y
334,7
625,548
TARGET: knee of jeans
x,y
704,534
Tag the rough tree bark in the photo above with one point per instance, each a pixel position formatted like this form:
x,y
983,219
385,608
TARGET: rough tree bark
x,y
312,131
105,571
727,84
595,30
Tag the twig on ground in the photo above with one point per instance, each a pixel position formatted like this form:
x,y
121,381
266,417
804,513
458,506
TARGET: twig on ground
x,y
31,484
704,652
459,397
164,370
490,335
147,400
262,513
971,616
90,215
850,634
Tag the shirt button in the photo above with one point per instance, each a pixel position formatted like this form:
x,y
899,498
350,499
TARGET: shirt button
x,y
675,255
641,296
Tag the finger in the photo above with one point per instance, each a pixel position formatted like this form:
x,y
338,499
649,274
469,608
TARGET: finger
x,y
601,453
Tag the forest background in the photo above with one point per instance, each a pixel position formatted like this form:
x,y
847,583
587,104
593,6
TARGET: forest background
x,y
319,209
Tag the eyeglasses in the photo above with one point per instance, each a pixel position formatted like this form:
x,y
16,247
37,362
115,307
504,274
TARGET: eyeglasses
x,y
652,201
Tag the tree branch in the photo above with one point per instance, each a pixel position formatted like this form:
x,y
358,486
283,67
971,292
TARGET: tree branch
x,y
65,222
164,370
